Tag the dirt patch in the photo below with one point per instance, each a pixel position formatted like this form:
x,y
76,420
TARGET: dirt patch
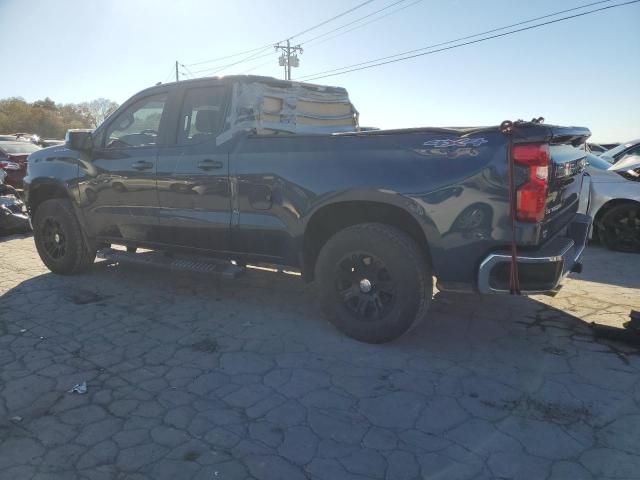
x,y
85,297
547,411
191,456
207,346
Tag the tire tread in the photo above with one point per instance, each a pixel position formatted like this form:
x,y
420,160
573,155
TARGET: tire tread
x,y
84,254
410,248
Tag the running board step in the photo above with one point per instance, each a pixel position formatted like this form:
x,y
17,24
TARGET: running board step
x,y
173,262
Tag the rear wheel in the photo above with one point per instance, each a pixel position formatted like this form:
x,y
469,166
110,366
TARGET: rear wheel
x,y
620,228
375,283
59,239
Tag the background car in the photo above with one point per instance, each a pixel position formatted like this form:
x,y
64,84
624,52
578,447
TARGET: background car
x,y
623,151
13,215
13,160
19,137
615,202
50,142
608,146
596,149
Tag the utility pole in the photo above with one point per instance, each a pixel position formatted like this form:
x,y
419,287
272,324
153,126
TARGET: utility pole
x,y
177,79
289,58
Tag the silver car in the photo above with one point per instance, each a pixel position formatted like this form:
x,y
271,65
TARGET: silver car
x,y
622,151
614,201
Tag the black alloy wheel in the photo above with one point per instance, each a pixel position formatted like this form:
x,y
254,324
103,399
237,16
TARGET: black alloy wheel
x,y
53,238
374,282
59,239
365,286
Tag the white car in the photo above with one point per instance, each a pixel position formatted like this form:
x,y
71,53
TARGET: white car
x,y
623,152
614,202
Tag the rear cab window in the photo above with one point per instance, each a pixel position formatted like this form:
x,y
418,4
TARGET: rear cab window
x,y
202,115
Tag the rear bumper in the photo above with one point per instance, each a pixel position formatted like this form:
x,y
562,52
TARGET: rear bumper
x,y
541,270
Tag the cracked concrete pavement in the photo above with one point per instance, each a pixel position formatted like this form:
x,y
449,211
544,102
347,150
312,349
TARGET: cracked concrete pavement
x,y
201,378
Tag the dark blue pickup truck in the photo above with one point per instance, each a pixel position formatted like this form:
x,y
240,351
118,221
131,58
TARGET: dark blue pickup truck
x,y
254,170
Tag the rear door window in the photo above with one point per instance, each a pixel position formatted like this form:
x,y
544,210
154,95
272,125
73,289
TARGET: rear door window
x,y
202,115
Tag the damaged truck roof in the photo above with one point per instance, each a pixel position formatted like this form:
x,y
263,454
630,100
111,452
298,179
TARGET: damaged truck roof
x,y
268,106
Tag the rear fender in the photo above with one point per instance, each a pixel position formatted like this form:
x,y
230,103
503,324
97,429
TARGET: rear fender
x,y
391,198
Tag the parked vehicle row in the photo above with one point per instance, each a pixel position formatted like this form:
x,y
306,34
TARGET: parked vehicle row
x,y
14,150
13,214
13,160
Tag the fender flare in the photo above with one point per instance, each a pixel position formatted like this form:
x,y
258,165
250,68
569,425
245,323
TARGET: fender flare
x,y
386,197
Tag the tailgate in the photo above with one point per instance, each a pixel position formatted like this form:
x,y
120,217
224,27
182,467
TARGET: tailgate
x,y
566,171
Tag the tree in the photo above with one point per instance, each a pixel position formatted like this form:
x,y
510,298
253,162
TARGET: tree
x,y
49,119
98,110
47,104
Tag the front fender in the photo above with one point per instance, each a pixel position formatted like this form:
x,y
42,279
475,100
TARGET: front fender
x,y
54,173
54,166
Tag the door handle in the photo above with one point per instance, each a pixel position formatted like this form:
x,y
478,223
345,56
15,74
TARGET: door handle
x,y
142,165
209,164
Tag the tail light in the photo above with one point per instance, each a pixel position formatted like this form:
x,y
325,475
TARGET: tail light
x,y
531,196
5,165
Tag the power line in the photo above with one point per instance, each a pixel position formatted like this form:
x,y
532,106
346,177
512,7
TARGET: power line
x,y
213,60
363,24
188,70
305,42
360,5
379,61
269,45
462,38
168,77
221,68
268,62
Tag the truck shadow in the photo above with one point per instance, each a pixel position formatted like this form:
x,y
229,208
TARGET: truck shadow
x,y
7,236
497,356
613,268
264,305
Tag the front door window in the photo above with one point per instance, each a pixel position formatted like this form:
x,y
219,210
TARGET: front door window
x,y
138,125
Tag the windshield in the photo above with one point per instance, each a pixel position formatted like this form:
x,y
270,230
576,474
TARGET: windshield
x,y
598,162
16,148
614,151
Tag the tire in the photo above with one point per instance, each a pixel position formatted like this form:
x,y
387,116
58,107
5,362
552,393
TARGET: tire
x,y
374,282
619,228
68,252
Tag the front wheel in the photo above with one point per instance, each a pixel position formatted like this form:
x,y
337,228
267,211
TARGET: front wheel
x,y
375,283
620,228
59,239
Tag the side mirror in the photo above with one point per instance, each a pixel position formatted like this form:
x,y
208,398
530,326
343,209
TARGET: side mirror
x,y
79,139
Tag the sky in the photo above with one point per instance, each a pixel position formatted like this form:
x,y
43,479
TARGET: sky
x,y
584,71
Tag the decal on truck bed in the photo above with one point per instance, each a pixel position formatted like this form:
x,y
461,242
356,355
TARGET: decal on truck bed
x,y
455,142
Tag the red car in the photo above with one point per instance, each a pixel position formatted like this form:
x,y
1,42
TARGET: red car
x,y
13,160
